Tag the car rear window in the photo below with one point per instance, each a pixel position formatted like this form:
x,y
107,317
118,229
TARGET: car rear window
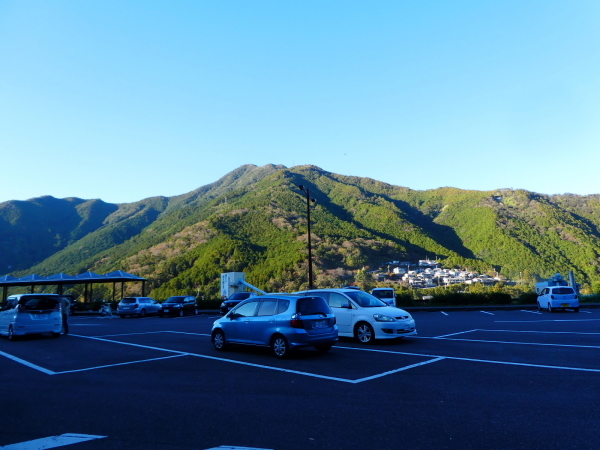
x,y
309,306
36,303
563,291
383,294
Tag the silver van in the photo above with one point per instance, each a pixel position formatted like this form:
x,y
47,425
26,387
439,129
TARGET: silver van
x,y
30,314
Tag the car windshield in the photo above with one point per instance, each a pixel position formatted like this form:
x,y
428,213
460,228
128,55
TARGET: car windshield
x,y
310,306
128,300
174,300
33,303
563,291
365,300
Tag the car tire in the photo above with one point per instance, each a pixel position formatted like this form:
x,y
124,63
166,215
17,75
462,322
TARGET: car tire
x,y
280,346
576,309
55,335
323,348
364,333
196,311
550,308
219,340
539,306
11,333
143,313
181,313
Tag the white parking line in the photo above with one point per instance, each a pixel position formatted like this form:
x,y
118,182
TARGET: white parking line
x,y
27,363
453,334
444,313
487,312
531,312
52,442
431,358
549,320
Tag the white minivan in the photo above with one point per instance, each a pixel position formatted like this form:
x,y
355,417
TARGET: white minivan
x,y
364,317
30,314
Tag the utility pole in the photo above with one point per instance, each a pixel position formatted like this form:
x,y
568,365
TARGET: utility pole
x,y
308,200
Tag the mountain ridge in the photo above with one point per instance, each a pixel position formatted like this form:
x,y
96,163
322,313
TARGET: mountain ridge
x,y
254,219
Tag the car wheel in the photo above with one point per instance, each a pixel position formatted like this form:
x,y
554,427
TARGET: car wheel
x,y
181,313
196,311
143,313
11,333
364,333
323,348
55,335
539,306
550,309
219,340
280,346
576,309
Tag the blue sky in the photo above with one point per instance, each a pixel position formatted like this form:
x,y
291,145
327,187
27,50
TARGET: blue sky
x,y
124,100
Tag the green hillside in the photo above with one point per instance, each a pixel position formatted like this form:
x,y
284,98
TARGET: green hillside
x,y
254,220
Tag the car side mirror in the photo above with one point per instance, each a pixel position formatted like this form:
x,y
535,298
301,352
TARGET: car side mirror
x,y
233,316
346,305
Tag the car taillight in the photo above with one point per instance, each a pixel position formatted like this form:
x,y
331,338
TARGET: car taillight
x,y
296,322
57,307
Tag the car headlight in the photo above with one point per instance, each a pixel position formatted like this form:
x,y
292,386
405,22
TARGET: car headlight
x,y
383,318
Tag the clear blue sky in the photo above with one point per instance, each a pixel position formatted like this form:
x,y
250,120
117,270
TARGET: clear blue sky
x,y
124,100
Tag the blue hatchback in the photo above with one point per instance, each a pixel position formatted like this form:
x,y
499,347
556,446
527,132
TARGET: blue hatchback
x,y
282,322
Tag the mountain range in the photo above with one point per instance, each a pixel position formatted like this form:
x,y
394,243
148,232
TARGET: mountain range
x,y
254,219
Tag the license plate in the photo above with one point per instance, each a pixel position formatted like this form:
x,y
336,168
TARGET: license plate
x,y
166,310
565,305
39,316
321,324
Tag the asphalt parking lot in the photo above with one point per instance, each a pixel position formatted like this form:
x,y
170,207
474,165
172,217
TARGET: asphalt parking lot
x,y
470,379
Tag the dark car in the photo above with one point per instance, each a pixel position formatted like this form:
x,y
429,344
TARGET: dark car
x,y
234,300
179,305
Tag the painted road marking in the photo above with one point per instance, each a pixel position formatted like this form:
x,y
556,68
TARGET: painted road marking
x,y
229,447
444,313
446,335
531,312
487,312
549,320
431,358
52,442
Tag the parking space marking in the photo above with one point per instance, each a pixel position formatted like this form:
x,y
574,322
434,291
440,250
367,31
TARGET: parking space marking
x,y
446,335
52,442
488,361
444,313
118,364
27,363
430,358
487,312
549,320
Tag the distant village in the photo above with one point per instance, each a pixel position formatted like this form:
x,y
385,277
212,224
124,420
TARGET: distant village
x,y
429,273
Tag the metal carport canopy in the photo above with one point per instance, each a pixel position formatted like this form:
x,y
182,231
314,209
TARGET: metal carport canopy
x,y
61,279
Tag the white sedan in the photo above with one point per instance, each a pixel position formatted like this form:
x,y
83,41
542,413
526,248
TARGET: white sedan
x,y
365,317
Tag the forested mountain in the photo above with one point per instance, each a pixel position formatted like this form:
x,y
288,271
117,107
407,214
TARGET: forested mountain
x,y
254,220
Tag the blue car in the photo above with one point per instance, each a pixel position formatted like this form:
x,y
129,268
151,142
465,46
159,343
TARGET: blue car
x,y
282,322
